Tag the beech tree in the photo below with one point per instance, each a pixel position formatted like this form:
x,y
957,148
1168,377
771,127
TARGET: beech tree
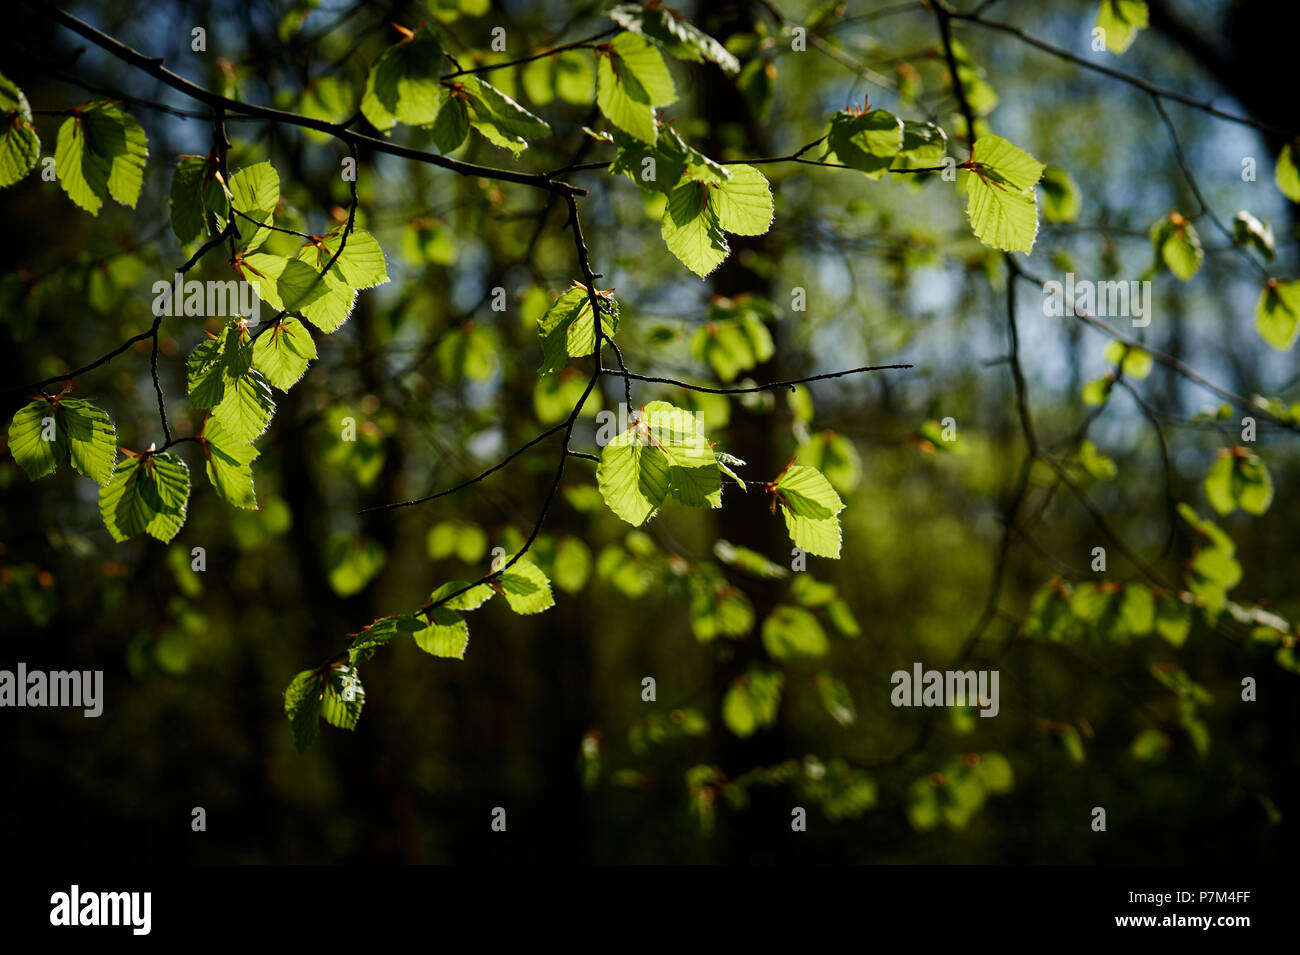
x,y
801,345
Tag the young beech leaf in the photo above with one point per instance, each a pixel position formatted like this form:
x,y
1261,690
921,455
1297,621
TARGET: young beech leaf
x,y
92,440
384,629
664,452
526,588
1120,21
1061,196
810,507
101,150
677,35
866,141
281,353
1238,478
229,463
1287,172
19,145
327,302
446,634
197,198
794,632
631,80
403,85
148,492
36,441
341,702
691,230
743,203
499,119
1277,314
1000,194
470,599
255,192
1177,246
302,698
567,329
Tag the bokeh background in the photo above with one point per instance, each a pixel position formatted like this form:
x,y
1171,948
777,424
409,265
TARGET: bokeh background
x,y
545,716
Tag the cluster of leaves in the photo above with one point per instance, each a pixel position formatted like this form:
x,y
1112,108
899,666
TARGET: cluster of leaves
x,y
102,150
958,791
795,632
334,692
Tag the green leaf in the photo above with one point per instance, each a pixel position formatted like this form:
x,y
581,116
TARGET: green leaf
x,y
1138,609
341,703
633,478
501,120
1135,362
471,599
101,150
254,191
631,80
403,85
302,700
285,284
837,699
1000,195
451,125
693,475
691,230
92,440
1173,620
677,35
924,146
1177,245
1238,478
147,493
1287,172
810,507
196,198
526,588
752,701
446,635
20,147
229,464
215,365
743,203
382,631
1120,21
328,302
567,329
282,352
866,141
1061,197
673,159
1277,314
794,632
1248,231
246,409
352,561
36,441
